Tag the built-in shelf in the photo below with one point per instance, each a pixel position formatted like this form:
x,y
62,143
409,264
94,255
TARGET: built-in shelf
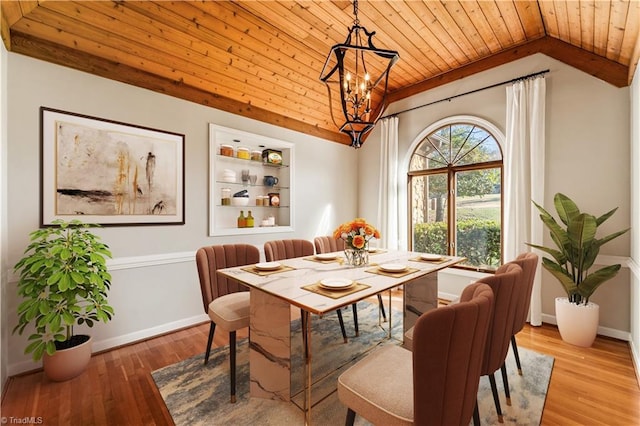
x,y
223,218
244,161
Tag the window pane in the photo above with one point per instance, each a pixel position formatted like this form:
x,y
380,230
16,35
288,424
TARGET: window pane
x,y
432,153
455,145
429,213
478,206
472,144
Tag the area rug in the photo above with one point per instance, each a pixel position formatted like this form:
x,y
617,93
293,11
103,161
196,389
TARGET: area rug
x,y
196,394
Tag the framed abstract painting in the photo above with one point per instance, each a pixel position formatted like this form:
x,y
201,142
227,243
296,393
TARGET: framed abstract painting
x,y
108,172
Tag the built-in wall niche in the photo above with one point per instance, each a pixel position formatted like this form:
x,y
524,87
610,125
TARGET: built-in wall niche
x,y
249,173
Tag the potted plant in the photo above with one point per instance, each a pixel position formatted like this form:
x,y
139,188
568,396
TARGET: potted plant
x,y
576,250
63,281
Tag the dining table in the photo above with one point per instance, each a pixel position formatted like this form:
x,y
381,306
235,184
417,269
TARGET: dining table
x,y
320,284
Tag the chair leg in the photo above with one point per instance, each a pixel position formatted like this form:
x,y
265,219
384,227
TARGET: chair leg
x,y
496,398
344,333
384,315
514,346
476,415
505,382
232,364
355,318
212,328
351,417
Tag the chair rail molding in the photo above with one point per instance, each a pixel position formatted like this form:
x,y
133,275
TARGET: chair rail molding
x,y
131,262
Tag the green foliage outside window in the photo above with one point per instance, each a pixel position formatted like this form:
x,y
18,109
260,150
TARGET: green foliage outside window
x,y
478,240
430,237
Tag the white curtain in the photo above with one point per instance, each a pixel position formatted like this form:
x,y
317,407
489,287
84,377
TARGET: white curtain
x,y
388,188
524,176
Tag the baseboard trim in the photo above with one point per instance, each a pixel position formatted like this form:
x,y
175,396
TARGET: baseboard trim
x,y
636,360
127,339
108,344
448,296
602,331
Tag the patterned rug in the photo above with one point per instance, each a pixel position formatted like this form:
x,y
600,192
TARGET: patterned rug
x,y
196,394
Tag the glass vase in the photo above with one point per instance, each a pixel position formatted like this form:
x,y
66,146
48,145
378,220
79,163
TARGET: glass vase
x,y
356,257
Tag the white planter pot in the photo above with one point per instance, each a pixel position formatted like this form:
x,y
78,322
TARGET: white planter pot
x,y
578,324
66,364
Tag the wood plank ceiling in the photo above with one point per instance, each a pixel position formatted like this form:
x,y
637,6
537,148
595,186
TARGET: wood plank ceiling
x,y
262,59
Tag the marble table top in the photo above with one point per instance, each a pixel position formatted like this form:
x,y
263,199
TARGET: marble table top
x,y
287,282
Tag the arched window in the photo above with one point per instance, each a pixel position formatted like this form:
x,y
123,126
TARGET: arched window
x,y
455,193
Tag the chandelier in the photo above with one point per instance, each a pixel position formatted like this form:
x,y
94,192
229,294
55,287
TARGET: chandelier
x,y
357,74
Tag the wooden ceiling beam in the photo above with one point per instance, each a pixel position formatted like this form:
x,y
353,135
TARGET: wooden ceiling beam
x,y
10,13
54,53
467,70
597,66
605,69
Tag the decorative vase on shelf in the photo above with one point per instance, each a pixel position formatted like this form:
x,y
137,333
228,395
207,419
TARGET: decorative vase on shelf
x,y
356,257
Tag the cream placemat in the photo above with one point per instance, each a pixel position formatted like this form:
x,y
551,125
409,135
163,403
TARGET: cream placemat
x,y
378,251
419,259
338,259
254,270
335,294
379,271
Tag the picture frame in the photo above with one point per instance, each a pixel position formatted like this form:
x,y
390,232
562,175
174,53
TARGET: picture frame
x,y
109,172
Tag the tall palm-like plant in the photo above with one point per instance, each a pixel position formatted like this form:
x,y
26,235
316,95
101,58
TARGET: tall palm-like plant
x,y
577,249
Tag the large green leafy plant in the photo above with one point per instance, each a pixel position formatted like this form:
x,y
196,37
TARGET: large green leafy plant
x,y
63,282
577,249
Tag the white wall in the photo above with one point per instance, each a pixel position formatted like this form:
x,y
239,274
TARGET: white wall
x,y
635,221
587,158
155,286
4,331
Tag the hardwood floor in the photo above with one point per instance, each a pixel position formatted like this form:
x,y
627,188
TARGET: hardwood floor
x,y
592,386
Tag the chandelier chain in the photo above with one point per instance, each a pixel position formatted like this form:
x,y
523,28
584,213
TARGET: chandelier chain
x,y
356,21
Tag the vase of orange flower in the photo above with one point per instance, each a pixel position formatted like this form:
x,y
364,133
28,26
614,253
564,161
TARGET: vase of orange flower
x,y
356,235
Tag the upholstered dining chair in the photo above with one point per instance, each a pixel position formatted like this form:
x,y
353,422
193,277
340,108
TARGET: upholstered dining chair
x,y
286,249
506,286
442,373
225,300
529,264
328,244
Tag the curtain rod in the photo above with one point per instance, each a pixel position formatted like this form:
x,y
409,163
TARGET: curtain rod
x,y
524,77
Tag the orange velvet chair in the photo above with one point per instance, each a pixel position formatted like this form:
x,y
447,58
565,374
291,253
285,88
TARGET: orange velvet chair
x,y
506,285
437,382
529,263
225,300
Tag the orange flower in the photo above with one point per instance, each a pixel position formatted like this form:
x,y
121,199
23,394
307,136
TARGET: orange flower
x,y
358,223
358,241
356,233
369,230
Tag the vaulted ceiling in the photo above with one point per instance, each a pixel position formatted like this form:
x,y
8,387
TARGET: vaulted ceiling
x,y
262,59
